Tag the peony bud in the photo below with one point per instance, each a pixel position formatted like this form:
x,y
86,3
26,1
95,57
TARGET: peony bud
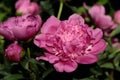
x,y
97,12
97,9
27,7
20,28
13,52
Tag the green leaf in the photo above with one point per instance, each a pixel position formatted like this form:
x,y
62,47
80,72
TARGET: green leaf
x,y
25,64
80,10
117,60
47,72
107,65
2,16
87,78
13,77
115,32
33,65
47,6
102,2
4,73
114,53
38,63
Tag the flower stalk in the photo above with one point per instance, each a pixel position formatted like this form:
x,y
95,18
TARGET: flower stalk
x,y
60,9
28,52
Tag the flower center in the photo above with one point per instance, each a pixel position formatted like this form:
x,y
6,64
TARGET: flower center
x,y
74,41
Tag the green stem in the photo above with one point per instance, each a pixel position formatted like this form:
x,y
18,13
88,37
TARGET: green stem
x,y
112,75
60,9
28,52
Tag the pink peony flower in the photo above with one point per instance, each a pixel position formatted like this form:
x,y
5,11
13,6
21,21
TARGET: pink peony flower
x,y
97,12
25,7
69,43
117,17
13,52
20,28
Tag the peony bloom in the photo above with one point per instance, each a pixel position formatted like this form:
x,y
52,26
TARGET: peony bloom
x,y
20,28
97,12
13,52
25,7
69,43
117,17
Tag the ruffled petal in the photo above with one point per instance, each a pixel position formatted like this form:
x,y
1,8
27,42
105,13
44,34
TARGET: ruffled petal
x,y
40,40
98,47
76,19
48,57
51,25
69,66
7,33
97,34
87,59
59,67
44,41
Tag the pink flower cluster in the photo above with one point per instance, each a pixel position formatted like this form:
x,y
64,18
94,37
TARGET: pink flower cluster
x,y
69,43
25,7
103,21
20,28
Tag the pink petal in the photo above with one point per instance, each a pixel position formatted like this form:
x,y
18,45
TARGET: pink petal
x,y
44,41
34,8
48,57
51,25
59,67
69,66
117,17
97,34
76,19
98,47
7,33
42,58
21,2
87,59
97,9
104,22
40,40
